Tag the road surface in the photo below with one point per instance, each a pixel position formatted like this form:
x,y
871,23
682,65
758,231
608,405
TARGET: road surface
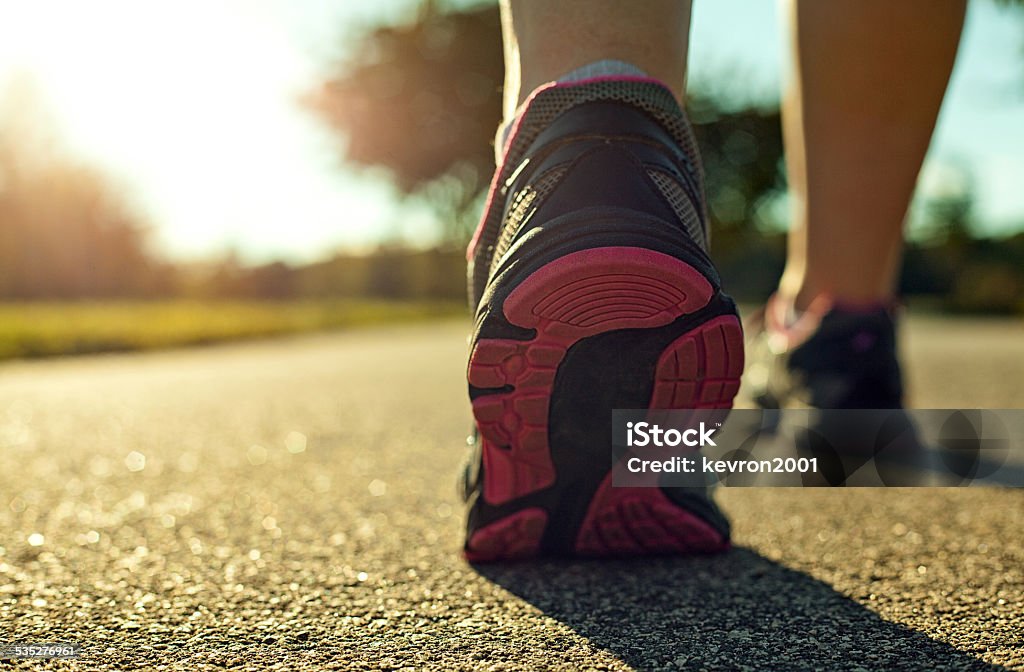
x,y
291,504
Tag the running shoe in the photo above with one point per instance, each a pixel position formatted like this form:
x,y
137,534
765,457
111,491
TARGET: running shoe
x,y
830,360
830,357
593,291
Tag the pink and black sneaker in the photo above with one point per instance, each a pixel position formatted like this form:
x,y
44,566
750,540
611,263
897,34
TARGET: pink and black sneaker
x,y
832,356
593,291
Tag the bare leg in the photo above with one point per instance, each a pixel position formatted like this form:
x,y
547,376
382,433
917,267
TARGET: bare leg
x,y
857,119
545,39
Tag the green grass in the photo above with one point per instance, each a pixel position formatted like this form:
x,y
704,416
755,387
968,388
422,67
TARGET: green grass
x,y
50,329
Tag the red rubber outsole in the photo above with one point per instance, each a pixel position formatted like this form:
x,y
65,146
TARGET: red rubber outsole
x,y
639,521
580,295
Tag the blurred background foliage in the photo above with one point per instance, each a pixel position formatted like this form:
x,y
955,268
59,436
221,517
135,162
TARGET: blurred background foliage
x,y
65,229
432,88
422,100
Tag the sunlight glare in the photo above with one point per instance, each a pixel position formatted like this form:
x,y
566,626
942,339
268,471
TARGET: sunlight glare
x,y
194,102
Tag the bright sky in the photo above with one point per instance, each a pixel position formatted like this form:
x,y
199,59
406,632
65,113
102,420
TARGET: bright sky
x,y
191,106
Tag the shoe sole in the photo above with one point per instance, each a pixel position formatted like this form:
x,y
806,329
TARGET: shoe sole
x,y
529,484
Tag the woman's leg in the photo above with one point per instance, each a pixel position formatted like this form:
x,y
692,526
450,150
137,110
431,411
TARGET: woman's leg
x,y
857,118
544,40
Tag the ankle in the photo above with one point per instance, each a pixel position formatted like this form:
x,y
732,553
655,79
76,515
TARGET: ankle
x,y
595,69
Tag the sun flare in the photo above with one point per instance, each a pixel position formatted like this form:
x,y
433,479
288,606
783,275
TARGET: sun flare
x,y
191,106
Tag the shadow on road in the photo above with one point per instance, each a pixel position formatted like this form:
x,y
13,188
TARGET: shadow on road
x,y
734,611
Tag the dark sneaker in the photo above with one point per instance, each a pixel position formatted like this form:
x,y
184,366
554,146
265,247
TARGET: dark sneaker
x,y
830,358
593,291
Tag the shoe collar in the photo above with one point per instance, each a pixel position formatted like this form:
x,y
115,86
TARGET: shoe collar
x,y
788,328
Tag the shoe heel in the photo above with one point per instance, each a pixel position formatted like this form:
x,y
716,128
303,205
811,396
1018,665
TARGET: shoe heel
x,y
576,296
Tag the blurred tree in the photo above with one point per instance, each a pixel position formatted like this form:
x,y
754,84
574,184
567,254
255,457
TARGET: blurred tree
x,y
423,100
65,232
741,151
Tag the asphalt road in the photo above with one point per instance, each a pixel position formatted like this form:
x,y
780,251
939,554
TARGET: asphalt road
x,y
290,505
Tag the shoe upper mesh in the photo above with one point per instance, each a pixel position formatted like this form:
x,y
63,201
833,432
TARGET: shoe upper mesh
x,y
681,204
544,107
525,203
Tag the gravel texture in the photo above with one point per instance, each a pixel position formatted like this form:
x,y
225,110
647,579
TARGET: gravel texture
x,y
290,505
